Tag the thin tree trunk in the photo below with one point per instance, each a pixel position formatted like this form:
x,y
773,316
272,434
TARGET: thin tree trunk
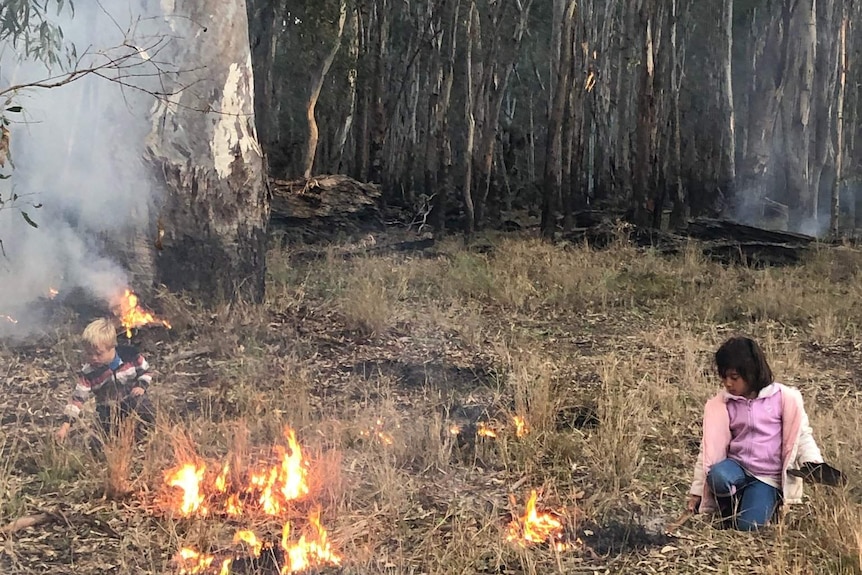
x,y
646,123
839,145
469,105
552,180
449,49
316,86
796,110
344,131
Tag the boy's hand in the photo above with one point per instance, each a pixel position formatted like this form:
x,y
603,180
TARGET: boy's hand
x,y
137,391
61,433
693,503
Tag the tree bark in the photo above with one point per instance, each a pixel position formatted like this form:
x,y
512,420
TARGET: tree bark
x,y
206,157
263,35
553,174
470,118
764,96
839,144
796,110
646,122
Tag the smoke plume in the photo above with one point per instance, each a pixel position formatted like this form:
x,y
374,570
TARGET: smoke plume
x,y
77,164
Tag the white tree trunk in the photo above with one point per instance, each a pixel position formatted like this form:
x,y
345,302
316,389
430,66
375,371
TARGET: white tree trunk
x,y
206,155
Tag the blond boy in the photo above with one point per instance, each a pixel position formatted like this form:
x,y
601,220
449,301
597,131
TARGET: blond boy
x,y
117,377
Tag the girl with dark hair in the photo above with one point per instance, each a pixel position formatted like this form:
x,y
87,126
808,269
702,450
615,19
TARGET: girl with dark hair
x,y
756,438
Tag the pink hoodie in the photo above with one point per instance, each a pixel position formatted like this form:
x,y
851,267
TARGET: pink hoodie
x,y
797,443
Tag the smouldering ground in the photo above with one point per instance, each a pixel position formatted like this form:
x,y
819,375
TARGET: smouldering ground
x,y
373,358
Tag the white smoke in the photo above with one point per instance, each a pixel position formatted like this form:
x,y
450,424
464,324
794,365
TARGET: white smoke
x,y
78,152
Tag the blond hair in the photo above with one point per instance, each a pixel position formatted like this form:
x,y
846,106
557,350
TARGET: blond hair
x,y
100,333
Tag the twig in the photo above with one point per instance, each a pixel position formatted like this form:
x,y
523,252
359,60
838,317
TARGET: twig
x,y
27,521
681,520
181,355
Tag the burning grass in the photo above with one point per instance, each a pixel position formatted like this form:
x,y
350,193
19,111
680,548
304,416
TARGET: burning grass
x,y
525,409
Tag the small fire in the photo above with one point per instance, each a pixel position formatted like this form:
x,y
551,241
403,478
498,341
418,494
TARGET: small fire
x,y
132,315
536,527
310,552
266,489
188,477
192,562
521,428
251,539
52,293
384,437
483,430
9,318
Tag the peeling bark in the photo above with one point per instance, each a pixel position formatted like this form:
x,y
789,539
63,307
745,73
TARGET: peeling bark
x,y
205,154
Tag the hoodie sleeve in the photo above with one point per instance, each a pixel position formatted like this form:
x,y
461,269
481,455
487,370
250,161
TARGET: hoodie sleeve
x,y
807,450
699,478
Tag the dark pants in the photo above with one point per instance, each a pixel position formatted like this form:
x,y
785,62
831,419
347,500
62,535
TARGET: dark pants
x,y
112,415
746,503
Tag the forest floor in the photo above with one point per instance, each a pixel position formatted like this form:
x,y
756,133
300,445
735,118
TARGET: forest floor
x,y
394,368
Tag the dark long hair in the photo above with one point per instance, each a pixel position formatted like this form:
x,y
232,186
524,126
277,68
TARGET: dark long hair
x,y
743,355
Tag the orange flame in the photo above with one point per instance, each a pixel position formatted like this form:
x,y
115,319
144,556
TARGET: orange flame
x,y
221,480
483,430
9,318
192,562
305,553
521,428
188,477
133,315
249,537
267,489
52,293
536,527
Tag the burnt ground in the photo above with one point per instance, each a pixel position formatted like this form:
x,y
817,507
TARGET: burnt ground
x,y
438,514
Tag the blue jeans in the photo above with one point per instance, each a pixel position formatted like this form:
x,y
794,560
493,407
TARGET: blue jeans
x,y
746,503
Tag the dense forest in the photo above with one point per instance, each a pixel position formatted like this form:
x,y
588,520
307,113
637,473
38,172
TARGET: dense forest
x,y
661,110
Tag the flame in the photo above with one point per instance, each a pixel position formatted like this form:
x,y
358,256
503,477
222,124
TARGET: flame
x,y
454,429
265,489
233,506
188,477
384,437
221,480
536,527
52,293
249,537
521,428
132,315
483,430
310,552
9,318
192,562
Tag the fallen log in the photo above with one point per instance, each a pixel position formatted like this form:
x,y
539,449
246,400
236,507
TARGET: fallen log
x,y
324,199
721,240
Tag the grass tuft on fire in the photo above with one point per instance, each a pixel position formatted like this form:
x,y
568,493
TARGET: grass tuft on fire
x,y
520,408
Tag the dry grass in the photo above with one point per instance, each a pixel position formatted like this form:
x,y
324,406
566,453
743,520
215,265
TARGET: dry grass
x,y
374,360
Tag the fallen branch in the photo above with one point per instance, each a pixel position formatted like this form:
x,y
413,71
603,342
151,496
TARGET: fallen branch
x,y
27,521
181,355
681,520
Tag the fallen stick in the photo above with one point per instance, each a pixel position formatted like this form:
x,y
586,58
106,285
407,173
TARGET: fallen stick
x,y
26,521
681,520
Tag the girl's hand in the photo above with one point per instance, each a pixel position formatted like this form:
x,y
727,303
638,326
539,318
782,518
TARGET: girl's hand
x,y
137,391
693,503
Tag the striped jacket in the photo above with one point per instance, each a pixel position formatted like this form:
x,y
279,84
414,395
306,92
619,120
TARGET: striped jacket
x,y
111,382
